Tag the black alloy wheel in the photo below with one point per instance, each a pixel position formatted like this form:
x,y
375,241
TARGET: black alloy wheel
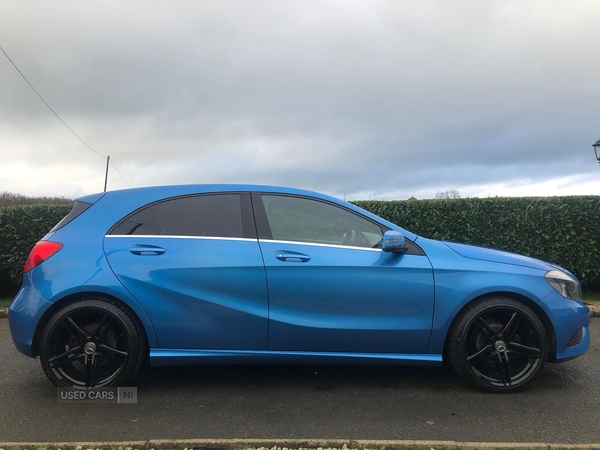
x,y
90,344
498,345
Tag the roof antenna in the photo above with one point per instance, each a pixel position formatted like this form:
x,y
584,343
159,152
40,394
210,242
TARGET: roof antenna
x,y
106,176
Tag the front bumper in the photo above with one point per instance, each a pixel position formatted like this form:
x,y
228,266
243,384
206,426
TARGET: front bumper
x,y
569,317
24,315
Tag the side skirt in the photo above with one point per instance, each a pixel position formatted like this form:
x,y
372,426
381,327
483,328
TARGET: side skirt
x,y
172,357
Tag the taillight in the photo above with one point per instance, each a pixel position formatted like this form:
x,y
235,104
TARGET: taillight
x,y
40,253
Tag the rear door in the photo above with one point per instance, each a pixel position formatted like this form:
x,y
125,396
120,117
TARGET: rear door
x,y
195,265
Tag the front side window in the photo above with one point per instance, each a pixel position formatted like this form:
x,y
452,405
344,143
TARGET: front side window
x,y
305,220
202,215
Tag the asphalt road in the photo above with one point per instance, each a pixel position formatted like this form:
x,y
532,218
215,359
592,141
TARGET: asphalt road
x,y
307,402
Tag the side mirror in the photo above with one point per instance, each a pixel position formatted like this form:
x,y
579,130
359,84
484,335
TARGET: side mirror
x,y
393,242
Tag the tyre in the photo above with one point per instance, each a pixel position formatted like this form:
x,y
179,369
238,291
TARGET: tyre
x,y
92,343
497,344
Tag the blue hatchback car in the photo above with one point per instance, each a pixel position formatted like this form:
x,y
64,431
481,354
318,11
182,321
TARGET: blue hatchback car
x,y
231,274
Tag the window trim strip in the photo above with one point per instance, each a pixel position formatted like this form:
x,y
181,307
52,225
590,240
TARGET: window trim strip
x,y
168,236
219,238
314,244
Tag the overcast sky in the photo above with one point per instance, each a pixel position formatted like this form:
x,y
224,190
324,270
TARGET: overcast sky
x,y
387,99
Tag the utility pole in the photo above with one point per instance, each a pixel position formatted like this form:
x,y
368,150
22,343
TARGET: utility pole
x,y
106,176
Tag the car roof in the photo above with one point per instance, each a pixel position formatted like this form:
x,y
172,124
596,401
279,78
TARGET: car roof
x,y
184,189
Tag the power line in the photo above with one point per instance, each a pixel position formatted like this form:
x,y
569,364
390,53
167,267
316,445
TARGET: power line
x,y
115,166
59,118
49,107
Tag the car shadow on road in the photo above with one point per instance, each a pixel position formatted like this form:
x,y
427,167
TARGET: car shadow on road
x,y
331,378
299,377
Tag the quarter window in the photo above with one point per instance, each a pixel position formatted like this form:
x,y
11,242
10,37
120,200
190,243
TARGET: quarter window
x,y
305,220
202,215
78,209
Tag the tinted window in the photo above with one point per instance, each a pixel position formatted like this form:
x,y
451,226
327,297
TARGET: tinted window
x,y
78,209
139,223
203,215
305,220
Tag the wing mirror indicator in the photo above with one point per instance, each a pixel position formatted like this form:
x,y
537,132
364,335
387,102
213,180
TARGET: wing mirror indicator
x,y
394,242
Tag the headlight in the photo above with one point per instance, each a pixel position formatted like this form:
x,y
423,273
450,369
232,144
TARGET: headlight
x,y
564,284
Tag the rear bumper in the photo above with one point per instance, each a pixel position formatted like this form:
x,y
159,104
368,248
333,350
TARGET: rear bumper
x,y
24,315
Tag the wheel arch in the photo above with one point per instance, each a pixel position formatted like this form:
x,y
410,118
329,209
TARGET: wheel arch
x,y
535,307
73,298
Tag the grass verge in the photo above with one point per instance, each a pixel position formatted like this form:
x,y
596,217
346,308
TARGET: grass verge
x,y
5,302
591,296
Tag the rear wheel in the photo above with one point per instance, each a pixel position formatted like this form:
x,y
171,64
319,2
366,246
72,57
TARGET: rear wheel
x,y
498,345
92,343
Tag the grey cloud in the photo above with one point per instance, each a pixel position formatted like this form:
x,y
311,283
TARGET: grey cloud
x,y
335,96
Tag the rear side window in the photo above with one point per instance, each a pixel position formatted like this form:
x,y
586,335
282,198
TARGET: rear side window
x,y
78,209
207,215
202,215
140,222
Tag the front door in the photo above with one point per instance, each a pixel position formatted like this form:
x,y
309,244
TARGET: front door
x,y
332,288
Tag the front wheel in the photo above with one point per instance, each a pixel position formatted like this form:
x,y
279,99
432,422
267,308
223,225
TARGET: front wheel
x,y
92,343
498,345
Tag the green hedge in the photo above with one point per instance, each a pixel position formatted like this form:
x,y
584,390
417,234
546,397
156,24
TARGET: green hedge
x,y
561,230
20,228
